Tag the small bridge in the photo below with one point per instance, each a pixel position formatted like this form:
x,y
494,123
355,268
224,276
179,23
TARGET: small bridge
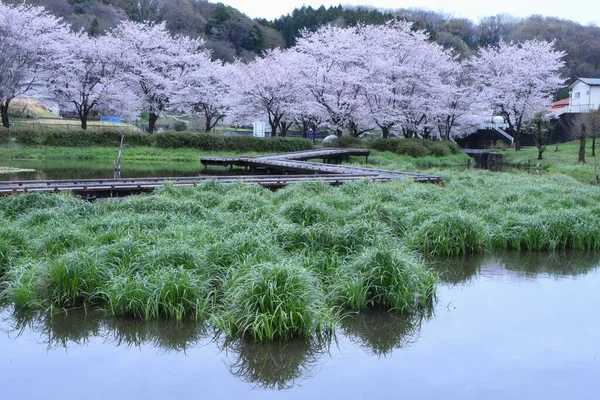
x,y
273,171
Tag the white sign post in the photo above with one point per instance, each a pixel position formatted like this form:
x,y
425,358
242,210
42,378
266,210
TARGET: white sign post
x,y
258,129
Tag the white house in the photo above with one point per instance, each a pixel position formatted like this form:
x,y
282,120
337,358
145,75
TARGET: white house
x,y
584,95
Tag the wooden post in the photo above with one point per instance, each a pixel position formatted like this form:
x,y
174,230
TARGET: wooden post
x,y
117,162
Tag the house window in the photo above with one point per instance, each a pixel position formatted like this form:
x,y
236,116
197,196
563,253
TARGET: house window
x,y
587,92
576,95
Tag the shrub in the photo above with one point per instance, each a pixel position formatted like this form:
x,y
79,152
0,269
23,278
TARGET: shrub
x,y
211,142
416,147
78,138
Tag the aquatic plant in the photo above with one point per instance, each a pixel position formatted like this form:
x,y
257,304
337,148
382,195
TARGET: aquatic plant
x,y
274,301
269,265
385,277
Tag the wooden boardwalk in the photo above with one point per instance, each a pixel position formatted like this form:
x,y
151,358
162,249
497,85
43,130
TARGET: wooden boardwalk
x,y
276,171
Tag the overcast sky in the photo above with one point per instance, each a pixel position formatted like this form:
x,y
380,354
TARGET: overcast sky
x,y
582,11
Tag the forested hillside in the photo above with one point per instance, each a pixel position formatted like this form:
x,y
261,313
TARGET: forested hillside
x,y
231,34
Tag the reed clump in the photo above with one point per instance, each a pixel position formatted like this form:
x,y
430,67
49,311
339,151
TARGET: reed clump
x,y
276,265
275,301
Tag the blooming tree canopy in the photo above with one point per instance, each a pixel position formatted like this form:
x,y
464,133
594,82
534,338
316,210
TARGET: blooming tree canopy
x,y
87,75
27,37
518,80
205,92
156,64
266,86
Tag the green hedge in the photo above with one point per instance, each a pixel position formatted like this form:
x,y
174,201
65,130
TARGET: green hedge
x,y
210,142
79,138
416,147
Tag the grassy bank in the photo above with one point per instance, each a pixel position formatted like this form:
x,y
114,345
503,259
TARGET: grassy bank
x,y
560,158
384,160
279,264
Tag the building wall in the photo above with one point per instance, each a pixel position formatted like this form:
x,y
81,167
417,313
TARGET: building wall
x,y
584,98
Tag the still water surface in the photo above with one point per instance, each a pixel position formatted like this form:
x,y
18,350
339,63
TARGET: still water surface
x,y
505,326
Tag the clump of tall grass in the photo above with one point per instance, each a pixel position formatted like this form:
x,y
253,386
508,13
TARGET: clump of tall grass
x,y
59,241
14,206
303,212
274,301
385,277
170,292
74,278
451,233
223,258
24,286
521,232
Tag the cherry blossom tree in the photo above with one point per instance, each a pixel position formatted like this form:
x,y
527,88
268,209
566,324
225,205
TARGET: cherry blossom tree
x,y
87,74
518,80
267,87
462,108
157,64
334,71
27,35
404,84
205,92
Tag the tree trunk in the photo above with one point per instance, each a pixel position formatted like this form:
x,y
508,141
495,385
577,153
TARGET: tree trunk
x,y
385,132
284,127
212,119
581,149
83,115
517,138
152,118
540,153
207,125
4,112
594,146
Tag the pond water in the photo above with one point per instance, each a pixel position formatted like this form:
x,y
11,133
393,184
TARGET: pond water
x,y
505,326
73,169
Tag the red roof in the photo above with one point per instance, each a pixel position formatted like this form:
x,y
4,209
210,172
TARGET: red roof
x,y
559,105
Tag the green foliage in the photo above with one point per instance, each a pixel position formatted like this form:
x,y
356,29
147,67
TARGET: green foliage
x,y
449,233
79,138
416,147
347,142
211,142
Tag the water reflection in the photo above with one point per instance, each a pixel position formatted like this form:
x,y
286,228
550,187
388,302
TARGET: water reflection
x,y
79,328
463,270
380,332
73,169
277,365
477,319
